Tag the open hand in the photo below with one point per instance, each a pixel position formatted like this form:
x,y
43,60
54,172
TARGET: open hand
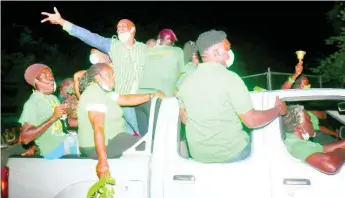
x,y
281,106
53,18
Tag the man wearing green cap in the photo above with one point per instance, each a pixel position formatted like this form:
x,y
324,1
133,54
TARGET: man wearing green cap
x,y
213,102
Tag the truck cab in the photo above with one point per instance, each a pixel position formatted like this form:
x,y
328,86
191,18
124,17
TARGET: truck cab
x,y
165,170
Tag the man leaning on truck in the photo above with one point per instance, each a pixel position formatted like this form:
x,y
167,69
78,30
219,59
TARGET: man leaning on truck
x,y
213,101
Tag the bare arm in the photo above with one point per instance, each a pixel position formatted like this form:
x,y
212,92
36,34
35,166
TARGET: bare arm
x,y
328,131
288,84
320,114
76,78
30,132
334,146
88,37
329,163
298,70
97,122
183,115
133,99
256,119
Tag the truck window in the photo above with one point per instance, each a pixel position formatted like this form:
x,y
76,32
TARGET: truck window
x,y
325,121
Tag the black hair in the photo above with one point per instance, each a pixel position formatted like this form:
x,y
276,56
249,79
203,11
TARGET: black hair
x,y
188,50
298,81
89,76
292,118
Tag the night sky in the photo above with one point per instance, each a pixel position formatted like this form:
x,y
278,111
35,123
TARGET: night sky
x,y
281,27
262,34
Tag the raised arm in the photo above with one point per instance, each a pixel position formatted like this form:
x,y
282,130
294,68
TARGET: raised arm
x,y
298,71
92,39
76,78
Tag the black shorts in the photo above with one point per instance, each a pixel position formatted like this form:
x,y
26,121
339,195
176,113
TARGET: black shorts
x,y
116,146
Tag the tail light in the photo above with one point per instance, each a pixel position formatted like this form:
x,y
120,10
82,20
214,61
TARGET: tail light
x,y
4,182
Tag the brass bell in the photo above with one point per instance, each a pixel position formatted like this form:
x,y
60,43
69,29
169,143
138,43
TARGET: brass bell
x,y
300,55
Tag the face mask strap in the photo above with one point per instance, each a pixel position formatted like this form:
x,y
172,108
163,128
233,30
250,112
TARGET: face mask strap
x,y
307,86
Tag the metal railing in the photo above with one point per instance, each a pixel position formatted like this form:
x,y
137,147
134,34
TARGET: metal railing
x,y
274,80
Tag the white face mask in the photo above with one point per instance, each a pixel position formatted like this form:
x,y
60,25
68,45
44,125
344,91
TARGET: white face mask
x,y
124,37
305,136
104,86
231,59
94,59
54,86
47,86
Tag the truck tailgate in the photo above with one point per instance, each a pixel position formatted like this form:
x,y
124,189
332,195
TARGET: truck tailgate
x,y
37,177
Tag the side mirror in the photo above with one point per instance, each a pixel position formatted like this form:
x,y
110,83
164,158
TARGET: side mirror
x,y
341,107
342,132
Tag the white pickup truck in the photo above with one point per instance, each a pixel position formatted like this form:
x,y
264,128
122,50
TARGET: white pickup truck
x,y
164,170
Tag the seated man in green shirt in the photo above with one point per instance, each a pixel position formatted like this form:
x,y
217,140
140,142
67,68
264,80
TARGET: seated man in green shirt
x,y
101,124
213,101
191,60
41,114
161,70
298,129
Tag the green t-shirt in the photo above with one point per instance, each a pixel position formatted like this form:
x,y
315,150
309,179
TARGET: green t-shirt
x,y
38,109
161,70
314,120
94,98
213,97
299,148
186,71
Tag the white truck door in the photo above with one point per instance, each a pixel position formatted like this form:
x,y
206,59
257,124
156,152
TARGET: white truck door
x,y
289,176
185,178
66,178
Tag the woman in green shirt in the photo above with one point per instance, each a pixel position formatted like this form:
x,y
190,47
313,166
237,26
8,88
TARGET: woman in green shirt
x,y
102,133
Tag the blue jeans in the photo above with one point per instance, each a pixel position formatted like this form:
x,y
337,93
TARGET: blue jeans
x,y
71,141
131,122
242,155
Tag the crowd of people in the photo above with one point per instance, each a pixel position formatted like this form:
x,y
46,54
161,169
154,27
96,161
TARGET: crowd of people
x,y
108,104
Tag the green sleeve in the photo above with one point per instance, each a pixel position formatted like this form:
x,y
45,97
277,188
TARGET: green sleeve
x,y
314,121
96,96
301,149
29,114
67,26
238,94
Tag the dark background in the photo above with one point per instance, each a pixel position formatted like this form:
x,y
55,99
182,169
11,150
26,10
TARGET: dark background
x,y
262,34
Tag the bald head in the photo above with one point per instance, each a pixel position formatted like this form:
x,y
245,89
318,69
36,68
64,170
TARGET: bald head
x,y
125,25
151,42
